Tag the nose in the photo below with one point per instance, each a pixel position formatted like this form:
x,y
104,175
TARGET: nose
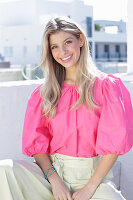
x,y
63,50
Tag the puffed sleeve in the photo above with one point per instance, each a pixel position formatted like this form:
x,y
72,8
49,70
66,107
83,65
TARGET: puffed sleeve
x,y
36,136
115,128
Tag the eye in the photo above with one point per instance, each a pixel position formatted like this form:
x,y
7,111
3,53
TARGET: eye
x,y
53,47
68,41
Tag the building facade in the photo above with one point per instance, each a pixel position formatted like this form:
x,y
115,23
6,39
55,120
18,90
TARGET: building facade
x,y
21,31
110,41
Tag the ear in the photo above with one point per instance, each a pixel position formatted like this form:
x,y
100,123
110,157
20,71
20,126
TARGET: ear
x,y
81,40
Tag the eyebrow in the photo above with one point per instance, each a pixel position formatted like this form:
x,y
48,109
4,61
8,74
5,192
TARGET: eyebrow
x,y
63,41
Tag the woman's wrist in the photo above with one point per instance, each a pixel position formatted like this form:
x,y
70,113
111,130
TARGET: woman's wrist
x,y
53,178
93,183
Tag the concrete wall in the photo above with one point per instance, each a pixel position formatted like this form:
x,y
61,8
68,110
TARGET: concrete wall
x,y
121,25
29,36
13,102
107,37
11,74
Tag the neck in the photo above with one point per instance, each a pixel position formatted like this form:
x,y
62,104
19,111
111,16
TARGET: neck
x,y
71,73
69,79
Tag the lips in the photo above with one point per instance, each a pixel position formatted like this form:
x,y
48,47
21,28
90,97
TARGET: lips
x,y
67,58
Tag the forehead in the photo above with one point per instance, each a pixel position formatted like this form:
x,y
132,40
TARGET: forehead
x,y
60,36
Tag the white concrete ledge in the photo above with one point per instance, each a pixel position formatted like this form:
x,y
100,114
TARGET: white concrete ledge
x,y
13,102
21,83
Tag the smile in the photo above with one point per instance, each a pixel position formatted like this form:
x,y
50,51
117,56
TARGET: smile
x,y
66,58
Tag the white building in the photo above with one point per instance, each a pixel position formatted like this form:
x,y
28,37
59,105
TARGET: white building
x,y
22,29
110,41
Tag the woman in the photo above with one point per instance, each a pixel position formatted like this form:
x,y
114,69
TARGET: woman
x,y
78,114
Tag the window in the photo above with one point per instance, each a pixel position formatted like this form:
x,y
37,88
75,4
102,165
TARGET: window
x,y
24,50
89,26
106,48
96,48
117,49
111,29
8,51
90,48
106,51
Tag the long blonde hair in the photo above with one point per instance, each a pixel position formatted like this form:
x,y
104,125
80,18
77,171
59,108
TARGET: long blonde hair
x,y
55,73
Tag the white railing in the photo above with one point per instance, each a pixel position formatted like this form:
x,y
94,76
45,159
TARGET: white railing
x,y
111,57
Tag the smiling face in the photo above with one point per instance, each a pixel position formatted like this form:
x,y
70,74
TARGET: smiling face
x,y
65,48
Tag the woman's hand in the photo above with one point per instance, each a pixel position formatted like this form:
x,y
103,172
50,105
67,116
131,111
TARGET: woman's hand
x,y
60,191
85,193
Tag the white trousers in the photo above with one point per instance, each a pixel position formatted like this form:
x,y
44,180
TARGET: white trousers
x,y
24,180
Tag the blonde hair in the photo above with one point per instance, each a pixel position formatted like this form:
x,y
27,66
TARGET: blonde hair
x,y
55,73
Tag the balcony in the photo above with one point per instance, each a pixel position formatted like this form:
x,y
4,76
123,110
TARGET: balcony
x,y
106,57
107,37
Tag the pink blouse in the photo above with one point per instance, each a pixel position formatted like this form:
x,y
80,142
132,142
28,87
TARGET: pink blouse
x,y
82,132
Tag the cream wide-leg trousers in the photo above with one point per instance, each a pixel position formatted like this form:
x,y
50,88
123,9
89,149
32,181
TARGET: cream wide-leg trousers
x,y
24,180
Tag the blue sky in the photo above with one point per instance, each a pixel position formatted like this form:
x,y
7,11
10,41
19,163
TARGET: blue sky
x,y
104,9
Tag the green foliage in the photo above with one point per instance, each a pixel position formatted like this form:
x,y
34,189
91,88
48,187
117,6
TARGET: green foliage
x,y
97,27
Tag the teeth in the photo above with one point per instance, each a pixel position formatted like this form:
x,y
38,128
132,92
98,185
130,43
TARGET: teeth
x,y
66,58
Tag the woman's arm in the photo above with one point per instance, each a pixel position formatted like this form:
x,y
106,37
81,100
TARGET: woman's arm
x,y
58,188
43,161
105,164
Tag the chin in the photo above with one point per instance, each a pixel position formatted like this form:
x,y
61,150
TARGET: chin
x,y
68,65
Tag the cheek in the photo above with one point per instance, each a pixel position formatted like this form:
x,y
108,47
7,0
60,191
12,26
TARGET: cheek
x,y
77,50
54,55
76,47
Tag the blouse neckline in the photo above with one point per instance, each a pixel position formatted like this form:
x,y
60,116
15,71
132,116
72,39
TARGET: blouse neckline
x,y
69,85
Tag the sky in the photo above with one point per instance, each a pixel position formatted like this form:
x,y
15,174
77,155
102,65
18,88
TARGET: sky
x,y
109,9
104,9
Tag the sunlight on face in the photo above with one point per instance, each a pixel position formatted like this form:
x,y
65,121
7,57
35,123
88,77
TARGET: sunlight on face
x,y
65,48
